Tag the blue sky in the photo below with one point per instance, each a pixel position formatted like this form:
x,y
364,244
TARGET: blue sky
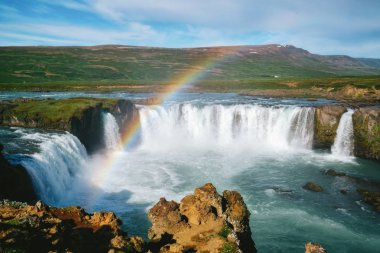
x,y
350,27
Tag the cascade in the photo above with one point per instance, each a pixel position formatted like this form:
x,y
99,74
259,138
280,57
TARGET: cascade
x,y
54,167
226,126
111,131
344,140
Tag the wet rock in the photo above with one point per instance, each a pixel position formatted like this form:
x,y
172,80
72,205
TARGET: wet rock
x,y
314,248
202,222
333,173
371,198
326,121
311,186
15,182
366,123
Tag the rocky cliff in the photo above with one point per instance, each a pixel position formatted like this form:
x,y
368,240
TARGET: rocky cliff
x,y
15,182
80,116
202,222
367,132
326,121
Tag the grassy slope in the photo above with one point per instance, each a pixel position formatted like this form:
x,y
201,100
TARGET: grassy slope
x,y
148,69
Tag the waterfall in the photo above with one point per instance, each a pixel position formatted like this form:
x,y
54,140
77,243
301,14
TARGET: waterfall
x,y
227,126
344,140
54,167
111,131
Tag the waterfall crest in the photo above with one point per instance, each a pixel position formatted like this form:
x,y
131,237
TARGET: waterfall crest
x,y
227,126
111,131
54,167
344,140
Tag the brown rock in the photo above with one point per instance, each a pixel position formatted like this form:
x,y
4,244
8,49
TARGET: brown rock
x,y
311,186
326,121
366,122
41,228
371,198
314,248
201,222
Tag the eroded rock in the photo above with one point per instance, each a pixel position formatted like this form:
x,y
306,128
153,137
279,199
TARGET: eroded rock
x,y
40,228
367,132
326,121
202,222
314,248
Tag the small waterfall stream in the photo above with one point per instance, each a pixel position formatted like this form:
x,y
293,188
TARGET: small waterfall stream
x,y
111,131
344,140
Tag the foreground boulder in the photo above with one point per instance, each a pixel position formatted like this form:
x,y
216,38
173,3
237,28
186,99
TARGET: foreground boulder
x,y
367,132
326,121
202,222
39,228
314,248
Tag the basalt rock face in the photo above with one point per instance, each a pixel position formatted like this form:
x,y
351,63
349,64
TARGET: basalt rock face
x,y
88,127
367,132
202,222
127,116
326,121
39,228
15,182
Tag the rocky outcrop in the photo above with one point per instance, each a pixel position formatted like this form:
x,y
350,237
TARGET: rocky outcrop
x,y
39,228
202,222
367,132
15,182
326,121
314,248
88,127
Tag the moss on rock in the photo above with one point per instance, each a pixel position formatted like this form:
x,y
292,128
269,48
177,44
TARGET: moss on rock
x,y
367,132
326,121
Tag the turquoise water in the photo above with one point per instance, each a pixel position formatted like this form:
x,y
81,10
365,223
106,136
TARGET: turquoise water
x,y
180,151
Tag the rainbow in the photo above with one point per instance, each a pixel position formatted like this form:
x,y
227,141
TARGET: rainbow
x,y
185,80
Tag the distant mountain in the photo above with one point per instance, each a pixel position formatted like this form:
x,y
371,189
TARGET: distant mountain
x,y
374,63
119,63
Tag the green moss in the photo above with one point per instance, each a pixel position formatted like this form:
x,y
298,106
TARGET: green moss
x,y
366,135
229,247
225,231
13,222
48,113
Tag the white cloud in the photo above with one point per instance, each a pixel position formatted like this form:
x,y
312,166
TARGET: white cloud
x,y
81,35
322,26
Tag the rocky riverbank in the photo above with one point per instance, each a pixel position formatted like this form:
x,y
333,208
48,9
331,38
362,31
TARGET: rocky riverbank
x,y
204,221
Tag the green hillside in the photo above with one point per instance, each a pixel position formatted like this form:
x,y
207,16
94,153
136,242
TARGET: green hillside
x,y
60,68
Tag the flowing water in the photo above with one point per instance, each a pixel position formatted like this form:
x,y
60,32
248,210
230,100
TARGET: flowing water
x,y
259,147
344,141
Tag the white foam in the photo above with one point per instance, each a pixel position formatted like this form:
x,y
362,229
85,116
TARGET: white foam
x,y
344,141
